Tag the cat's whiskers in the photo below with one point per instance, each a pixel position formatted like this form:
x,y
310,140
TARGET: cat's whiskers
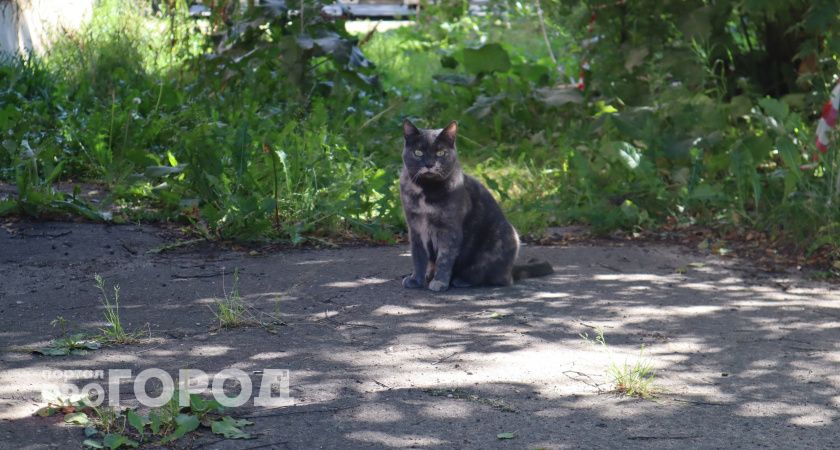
x,y
416,177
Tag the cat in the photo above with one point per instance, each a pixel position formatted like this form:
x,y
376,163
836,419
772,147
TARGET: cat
x,y
458,233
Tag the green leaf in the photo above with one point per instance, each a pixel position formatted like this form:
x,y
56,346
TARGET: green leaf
x,y
155,421
506,435
448,62
186,423
7,207
90,430
137,421
487,58
229,428
90,443
774,108
52,351
55,173
114,441
159,171
90,345
46,411
79,418
201,406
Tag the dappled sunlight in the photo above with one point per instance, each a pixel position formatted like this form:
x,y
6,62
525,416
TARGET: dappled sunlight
x,y
269,356
357,283
461,410
395,440
362,341
445,324
397,310
654,279
801,415
209,350
550,295
378,413
319,262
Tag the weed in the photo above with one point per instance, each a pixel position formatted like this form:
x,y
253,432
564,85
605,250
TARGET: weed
x,y
231,309
107,419
268,135
113,333
68,344
634,380
106,426
598,339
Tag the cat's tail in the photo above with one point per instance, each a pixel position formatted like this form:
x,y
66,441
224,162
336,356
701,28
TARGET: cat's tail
x,y
532,269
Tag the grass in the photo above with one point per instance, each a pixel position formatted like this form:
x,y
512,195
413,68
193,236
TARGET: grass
x,y
68,344
631,379
636,379
231,309
114,333
268,143
112,427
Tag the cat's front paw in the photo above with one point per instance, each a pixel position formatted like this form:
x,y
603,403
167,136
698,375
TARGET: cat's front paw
x,y
438,286
410,283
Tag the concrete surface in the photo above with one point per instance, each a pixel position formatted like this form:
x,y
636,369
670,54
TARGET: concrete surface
x,y
743,359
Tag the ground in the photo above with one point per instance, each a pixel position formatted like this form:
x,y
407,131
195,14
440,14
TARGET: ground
x,y
743,358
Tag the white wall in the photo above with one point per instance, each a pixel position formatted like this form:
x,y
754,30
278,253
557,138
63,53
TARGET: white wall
x,y
30,25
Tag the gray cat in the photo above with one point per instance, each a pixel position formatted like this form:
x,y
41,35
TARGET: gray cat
x,y
459,235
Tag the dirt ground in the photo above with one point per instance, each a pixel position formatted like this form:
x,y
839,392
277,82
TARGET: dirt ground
x,y
743,359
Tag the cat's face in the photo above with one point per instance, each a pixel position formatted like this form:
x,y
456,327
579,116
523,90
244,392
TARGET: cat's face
x,y
430,154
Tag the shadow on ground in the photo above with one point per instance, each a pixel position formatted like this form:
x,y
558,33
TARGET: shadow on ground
x,y
743,359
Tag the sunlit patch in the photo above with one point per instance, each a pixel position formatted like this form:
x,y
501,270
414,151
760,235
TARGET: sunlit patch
x,y
446,324
815,419
358,283
540,295
264,356
395,440
319,261
377,413
449,410
395,310
634,277
209,350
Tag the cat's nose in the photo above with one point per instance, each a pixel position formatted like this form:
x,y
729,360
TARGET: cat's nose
x,y
430,164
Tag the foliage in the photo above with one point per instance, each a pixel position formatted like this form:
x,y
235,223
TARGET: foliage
x,y
108,427
231,309
113,333
268,124
68,344
632,380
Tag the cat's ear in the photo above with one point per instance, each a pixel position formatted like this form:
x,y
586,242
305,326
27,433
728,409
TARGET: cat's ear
x,y
449,133
409,130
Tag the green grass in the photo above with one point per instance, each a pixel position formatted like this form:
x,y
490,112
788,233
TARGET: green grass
x,y
267,142
631,379
231,310
114,333
634,379
112,427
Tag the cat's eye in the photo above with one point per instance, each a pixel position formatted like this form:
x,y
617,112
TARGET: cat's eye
x,y
441,152
418,153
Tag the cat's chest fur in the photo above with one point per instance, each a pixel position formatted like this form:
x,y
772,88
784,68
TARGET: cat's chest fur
x,y
431,211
